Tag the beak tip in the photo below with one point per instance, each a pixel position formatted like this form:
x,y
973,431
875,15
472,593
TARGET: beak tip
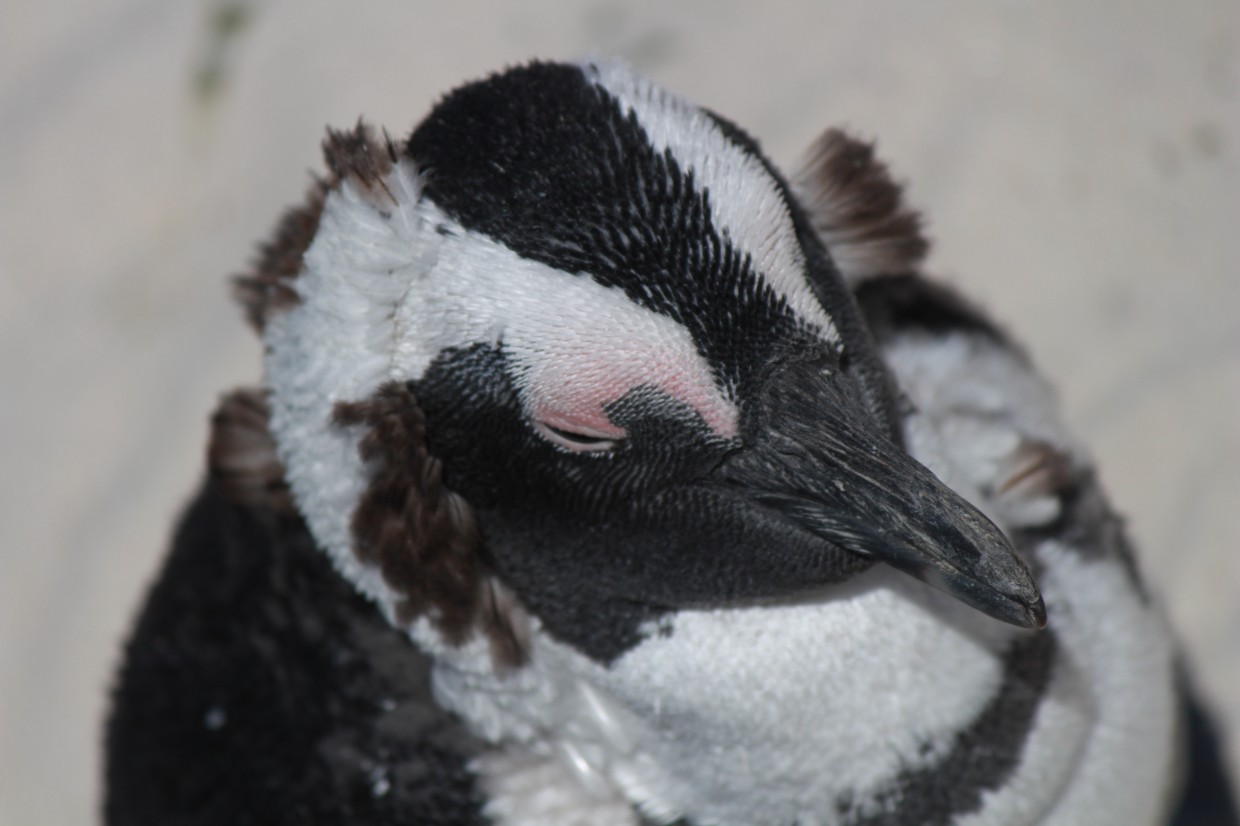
x,y
1035,614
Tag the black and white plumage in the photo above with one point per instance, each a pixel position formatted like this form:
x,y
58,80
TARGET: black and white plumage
x,y
689,490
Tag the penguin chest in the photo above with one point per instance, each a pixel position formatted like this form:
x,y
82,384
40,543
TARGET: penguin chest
x,y
801,712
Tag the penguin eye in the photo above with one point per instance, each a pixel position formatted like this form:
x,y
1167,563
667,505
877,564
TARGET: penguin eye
x,y
581,440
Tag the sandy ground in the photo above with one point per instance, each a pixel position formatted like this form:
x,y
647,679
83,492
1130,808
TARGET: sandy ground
x,y
1079,162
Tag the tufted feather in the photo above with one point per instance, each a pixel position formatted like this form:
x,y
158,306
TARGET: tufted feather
x,y
858,209
423,536
241,454
357,155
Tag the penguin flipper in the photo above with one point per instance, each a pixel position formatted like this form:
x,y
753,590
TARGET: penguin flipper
x,y
1208,799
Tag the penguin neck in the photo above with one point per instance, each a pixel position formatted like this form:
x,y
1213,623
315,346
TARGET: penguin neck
x,y
771,713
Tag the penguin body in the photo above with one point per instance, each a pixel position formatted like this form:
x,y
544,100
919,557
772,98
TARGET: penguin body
x,y
602,475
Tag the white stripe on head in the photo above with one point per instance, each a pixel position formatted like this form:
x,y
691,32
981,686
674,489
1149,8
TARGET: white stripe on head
x,y
574,345
746,205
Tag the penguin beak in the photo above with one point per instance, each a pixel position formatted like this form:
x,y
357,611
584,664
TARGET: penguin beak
x,y
823,462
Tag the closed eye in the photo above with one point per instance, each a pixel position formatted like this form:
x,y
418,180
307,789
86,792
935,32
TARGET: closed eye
x,y
578,441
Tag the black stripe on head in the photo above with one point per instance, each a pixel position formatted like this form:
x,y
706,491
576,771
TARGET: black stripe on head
x,y
549,164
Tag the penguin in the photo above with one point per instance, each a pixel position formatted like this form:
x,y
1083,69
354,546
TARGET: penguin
x,y
602,474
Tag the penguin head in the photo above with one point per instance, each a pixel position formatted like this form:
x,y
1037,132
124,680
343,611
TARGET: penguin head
x,y
576,342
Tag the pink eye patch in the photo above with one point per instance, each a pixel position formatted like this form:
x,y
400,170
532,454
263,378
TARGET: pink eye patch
x,y
567,396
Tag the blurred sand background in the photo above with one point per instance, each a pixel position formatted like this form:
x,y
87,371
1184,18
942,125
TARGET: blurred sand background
x,y
1079,164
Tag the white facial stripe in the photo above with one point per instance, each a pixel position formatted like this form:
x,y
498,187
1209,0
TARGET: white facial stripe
x,y
745,204
576,345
